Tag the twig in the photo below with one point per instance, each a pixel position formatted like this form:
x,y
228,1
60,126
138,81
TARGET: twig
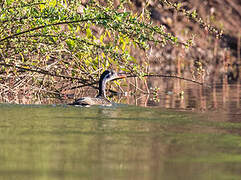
x,y
84,85
234,6
135,85
24,5
85,82
41,71
170,76
149,75
48,25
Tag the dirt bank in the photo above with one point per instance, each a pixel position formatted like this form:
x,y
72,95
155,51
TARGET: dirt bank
x,y
211,58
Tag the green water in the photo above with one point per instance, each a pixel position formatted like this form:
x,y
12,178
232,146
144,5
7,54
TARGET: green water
x,y
123,142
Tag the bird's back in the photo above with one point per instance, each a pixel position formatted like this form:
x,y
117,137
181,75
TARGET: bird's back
x,y
86,101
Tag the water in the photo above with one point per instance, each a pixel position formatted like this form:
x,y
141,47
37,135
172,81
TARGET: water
x,y
123,142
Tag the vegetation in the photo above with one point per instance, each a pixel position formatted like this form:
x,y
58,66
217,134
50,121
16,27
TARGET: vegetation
x,y
49,46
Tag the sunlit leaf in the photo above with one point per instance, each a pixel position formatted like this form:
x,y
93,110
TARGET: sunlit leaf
x,y
88,33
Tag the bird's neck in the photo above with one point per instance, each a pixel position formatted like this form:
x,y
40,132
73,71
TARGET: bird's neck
x,y
102,86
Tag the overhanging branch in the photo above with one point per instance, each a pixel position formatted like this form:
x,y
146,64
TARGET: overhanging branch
x,y
48,25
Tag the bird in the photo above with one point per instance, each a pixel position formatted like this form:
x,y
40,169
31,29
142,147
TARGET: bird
x,y
100,99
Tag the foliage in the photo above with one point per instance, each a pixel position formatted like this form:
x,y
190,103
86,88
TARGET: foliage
x,y
45,41
192,15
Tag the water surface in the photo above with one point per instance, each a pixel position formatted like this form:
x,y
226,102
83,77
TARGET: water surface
x,y
121,142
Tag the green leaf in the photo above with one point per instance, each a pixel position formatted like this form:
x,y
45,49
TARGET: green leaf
x,y
22,58
88,33
52,3
70,43
42,6
103,55
9,2
101,39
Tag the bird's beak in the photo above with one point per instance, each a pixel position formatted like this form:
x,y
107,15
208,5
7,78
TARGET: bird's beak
x,y
121,76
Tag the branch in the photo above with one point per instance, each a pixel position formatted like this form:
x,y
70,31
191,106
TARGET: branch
x,y
41,71
194,17
23,18
24,5
48,25
147,75
170,76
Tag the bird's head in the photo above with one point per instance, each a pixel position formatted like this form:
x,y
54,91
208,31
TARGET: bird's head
x,y
109,75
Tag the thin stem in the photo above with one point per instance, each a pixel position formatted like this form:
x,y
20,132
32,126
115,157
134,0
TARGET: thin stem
x,y
48,25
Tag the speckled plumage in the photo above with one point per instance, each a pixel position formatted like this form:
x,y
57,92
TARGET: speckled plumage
x,y
85,101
